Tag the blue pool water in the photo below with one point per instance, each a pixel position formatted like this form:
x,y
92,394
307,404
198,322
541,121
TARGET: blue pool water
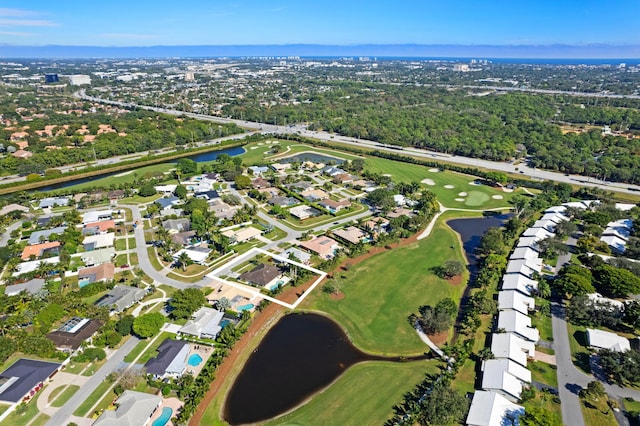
x,y
194,359
246,307
224,323
167,412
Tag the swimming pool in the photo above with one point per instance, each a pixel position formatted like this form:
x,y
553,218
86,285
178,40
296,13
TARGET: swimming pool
x,y
278,283
224,323
246,307
167,412
194,359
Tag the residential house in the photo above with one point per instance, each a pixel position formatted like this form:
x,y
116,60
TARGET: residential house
x,y
301,256
102,227
97,257
351,234
343,178
33,286
280,167
38,237
303,212
283,201
98,241
174,226
546,224
242,235
512,299
314,194
262,275
604,302
258,170
132,409
504,384
121,297
323,246
518,323
524,267
21,153
259,183
93,274
270,191
40,250
197,254
398,212
299,186
601,339
47,203
554,217
377,225
116,194
10,208
510,346
538,233
335,206
183,238
204,324
489,408
208,195
171,360
617,244
96,216
24,378
332,171
526,253
26,267
166,189
530,242
167,203
222,210
70,335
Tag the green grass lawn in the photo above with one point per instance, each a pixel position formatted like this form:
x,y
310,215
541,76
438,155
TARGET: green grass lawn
x,y
132,243
121,244
381,292
547,402
150,352
65,395
631,406
96,395
31,416
153,259
352,398
544,373
579,348
543,323
597,413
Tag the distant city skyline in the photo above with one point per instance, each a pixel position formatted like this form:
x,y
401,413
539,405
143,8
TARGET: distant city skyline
x,y
331,22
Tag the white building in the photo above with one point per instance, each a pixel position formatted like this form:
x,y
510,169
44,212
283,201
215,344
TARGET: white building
x,y
601,339
519,282
518,323
512,299
79,79
510,346
491,409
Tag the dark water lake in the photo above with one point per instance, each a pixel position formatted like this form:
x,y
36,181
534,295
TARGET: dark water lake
x,y
313,157
300,355
200,158
471,231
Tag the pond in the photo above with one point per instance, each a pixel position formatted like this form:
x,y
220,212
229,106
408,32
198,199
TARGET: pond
x,y
300,355
471,231
313,157
200,158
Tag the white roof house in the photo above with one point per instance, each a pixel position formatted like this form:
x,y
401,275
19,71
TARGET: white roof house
x,y
96,216
503,383
538,233
302,256
555,217
493,367
519,282
518,323
616,243
196,254
242,235
204,323
545,224
625,207
556,209
524,253
26,267
511,299
524,267
492,409
601,339
530,242
598,298
166,189
93,242
510,346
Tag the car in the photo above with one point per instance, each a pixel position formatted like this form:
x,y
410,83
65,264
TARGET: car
x,y
522,171
126,265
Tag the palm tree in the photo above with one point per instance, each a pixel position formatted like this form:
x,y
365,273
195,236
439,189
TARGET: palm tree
x,y
183,260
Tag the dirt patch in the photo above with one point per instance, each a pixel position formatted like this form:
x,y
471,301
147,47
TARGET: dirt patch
x,y
337,296
457,280
440,338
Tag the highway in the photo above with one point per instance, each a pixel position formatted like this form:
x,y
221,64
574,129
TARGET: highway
x,y
301,130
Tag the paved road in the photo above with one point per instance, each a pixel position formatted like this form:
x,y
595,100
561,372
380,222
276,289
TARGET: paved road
x,y
6,236
330,138
115,362
143,256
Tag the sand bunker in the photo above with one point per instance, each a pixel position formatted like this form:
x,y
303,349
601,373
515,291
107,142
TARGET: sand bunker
x,y
434,170
386,174
124,173
462,194
459,199
428,182
254,147
449,186
497,197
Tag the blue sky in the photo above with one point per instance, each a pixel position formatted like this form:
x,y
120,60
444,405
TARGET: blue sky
x,y
230,22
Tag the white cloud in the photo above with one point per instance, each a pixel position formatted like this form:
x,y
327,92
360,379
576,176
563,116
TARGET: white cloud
x,y
15,13
17,33
23,18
